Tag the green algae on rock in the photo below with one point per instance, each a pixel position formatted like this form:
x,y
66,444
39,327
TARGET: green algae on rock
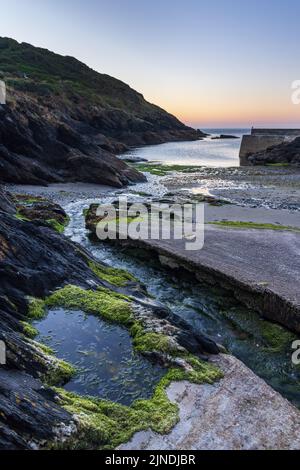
x,y
116,277
41,211
36,308
252,225
146,342
104,302
271,337
21,217
57,226
43,348
277,338
29,330
159,169
105,425
58,372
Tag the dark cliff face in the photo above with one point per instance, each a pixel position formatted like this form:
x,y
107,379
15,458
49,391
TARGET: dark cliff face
x,y
286,153
65,122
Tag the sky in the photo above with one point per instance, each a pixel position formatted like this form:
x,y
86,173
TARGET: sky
x,y
216,63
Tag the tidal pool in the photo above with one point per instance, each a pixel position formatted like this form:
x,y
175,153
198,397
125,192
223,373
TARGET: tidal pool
x,y
108,367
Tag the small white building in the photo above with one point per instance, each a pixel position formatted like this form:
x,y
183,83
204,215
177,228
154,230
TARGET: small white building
x,y
2,92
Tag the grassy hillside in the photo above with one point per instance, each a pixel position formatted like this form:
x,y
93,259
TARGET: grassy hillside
x,y
65,122
36,70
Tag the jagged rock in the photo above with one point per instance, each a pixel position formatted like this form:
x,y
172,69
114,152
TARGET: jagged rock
x,y
288,153
175,327
133,159
29,413
34,151
225,136
6,203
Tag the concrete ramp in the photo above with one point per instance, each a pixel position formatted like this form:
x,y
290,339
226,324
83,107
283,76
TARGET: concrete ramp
x,y
260,267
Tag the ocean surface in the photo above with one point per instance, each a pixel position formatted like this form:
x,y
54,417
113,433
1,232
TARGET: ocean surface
x,y
207,152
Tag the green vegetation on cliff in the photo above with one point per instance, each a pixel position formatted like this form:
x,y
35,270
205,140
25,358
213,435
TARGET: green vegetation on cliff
x,y
116,277
40,71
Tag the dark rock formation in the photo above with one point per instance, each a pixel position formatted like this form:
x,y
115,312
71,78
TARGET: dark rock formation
x,y
29,413
288,153
41,211
6,204
36,151
64,122
134,160
225,136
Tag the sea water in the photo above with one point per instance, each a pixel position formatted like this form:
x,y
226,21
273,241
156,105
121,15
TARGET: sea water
x,y
207,152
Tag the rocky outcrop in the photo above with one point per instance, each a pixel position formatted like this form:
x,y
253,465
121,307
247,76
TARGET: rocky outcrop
x,y
6,204
34,150
225,136
65,122
29,414
285,153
